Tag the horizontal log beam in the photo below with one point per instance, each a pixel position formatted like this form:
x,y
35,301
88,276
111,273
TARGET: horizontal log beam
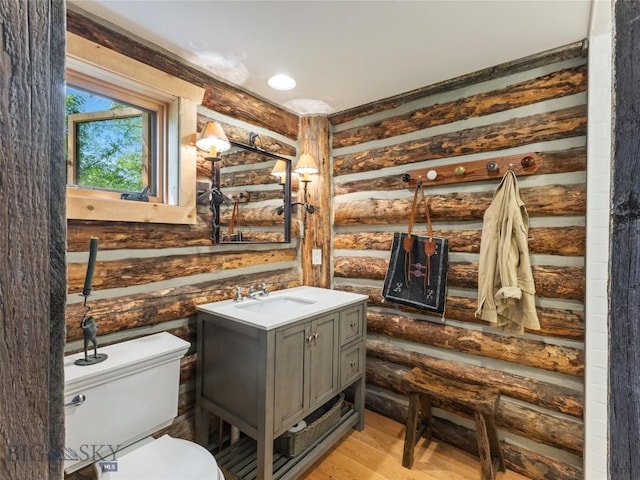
x,y
564,434
526,462
241,135
554,322
548,200
140,271
561,161
543,394
219,96
566,241
508,68
565,123
152,308
125,235
554,85
518,350
550,281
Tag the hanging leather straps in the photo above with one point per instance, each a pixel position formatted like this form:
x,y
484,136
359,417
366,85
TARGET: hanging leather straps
x,y
235,217
407,242
429,245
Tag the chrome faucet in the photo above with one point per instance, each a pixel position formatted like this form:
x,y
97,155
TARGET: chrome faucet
x,y
265,289
238,297
253,292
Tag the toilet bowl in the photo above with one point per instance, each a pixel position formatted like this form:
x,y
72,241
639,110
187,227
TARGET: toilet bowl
x,y
113,408
165,458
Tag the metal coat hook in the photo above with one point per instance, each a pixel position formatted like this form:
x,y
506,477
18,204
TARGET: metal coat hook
x,y
493,167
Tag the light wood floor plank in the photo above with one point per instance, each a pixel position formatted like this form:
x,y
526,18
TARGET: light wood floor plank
x,y
376,454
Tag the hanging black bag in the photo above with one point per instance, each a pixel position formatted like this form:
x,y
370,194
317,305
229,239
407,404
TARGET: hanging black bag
x,y
417,273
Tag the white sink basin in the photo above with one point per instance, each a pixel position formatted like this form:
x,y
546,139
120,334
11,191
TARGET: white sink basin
x,y
282,306
271,305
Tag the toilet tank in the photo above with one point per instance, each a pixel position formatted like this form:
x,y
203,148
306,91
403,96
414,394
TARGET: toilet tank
x,y
130,395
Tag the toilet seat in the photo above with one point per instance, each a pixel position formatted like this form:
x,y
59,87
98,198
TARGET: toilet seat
x,y
166,458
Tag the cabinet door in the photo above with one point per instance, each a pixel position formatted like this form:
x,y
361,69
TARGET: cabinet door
x,y
323,379
291,370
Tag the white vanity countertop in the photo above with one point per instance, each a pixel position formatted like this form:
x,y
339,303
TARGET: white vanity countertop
x,y
293,304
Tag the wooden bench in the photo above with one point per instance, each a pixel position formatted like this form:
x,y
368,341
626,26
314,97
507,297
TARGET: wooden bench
x,y
479,401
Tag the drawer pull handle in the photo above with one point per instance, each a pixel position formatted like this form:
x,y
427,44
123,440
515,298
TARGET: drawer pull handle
x,y
352,363
353,324
315,336
309,338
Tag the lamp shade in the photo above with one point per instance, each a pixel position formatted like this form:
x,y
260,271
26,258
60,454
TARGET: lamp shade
x,y
306,165
213,139
279,169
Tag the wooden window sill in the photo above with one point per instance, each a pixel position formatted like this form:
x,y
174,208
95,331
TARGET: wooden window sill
x,y
109,209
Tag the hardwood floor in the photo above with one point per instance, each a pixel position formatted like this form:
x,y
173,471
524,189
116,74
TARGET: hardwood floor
x,y
376,454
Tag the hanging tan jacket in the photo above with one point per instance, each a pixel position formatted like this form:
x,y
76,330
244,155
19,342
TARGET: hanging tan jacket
x,y
506,292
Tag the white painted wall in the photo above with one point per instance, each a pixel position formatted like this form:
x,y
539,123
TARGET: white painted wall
x,y
599,149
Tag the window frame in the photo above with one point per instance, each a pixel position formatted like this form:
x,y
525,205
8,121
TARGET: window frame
x,y
98,69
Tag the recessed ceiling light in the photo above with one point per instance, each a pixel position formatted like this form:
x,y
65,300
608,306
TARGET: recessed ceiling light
x,y
281,82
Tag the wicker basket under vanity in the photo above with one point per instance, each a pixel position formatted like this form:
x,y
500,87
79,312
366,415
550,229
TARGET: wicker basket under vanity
x,y
318,423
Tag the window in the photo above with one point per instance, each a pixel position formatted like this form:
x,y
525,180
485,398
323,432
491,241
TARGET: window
x,y
129,126
111,145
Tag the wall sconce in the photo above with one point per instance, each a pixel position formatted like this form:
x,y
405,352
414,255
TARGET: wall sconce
x,y
306,166
212,139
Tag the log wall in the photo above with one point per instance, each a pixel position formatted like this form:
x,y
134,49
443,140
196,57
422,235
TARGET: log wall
x,y
150,277
532,106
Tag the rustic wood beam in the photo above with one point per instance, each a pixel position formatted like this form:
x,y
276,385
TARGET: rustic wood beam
x,y
553,85
241,135
624,278
536,392
143,309
219,96
125,235
518,350
518,459
314,138
547,200
565,123
32,244
550,281
554,322
140,271
566,241
561,433
508,68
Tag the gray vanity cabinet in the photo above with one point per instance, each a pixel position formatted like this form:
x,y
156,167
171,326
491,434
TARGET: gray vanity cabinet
x,y
306,368
265,380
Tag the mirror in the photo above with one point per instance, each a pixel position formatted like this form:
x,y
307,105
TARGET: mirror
x,y
247,203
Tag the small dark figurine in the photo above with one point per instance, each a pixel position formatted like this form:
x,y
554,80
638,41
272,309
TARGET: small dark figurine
x,y
89,332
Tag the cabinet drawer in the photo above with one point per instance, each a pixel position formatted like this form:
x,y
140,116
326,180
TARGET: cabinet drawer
x,y
351,324
351,364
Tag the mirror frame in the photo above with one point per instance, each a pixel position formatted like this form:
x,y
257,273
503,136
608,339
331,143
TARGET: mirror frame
x,y
216,181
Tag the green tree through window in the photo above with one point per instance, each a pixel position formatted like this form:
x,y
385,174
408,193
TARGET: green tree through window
x,y
108,142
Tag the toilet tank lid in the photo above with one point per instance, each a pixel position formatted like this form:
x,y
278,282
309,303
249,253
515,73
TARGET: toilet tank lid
x,y
123,358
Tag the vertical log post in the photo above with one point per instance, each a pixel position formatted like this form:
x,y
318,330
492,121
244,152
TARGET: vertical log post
x,y
314,139
32,244
624,326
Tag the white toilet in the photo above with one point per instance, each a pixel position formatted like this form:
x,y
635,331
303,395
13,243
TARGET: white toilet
x,y
112,409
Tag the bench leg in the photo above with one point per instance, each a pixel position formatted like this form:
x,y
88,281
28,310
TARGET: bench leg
x,y
494,445
484,449
426,421
418,424
411,431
